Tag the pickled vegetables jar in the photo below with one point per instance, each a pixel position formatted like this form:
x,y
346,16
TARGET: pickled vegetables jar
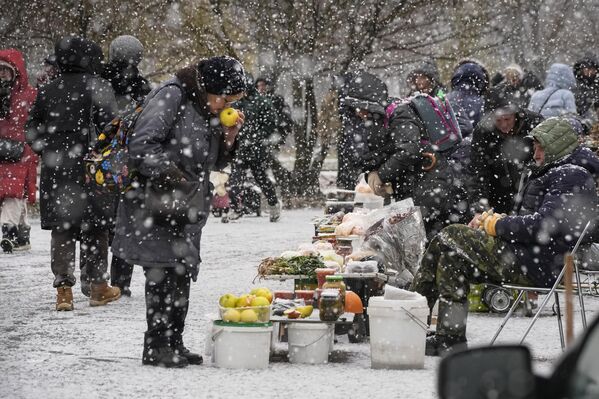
x,y
330,305
336,282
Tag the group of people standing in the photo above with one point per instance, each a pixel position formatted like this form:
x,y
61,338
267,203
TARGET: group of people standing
x,y
177,141
501,176
505,159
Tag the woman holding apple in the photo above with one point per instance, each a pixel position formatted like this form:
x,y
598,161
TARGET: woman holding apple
x,y
176,142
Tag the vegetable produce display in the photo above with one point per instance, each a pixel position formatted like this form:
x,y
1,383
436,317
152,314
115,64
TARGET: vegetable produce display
x,y
297,265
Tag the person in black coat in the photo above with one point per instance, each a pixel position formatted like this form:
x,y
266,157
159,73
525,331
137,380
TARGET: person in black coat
x,y
256,142
62,125
177,141
586,94
130,89
499,153
396,155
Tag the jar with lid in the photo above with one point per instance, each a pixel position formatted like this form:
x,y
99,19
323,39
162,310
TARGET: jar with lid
x,y
336,282
330,305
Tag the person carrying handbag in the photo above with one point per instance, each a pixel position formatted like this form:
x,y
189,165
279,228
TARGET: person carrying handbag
x,y
18,164
176,142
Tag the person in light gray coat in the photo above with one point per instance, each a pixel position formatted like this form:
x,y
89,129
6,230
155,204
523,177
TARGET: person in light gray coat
x,y
176,142
557,98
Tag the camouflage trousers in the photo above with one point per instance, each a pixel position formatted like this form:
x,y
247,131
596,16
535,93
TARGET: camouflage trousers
x,y
459,256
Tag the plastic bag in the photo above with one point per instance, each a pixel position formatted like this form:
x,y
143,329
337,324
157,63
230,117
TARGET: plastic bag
x,y
398,239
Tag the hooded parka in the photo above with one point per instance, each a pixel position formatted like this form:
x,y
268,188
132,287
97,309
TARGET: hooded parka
x,y
18,179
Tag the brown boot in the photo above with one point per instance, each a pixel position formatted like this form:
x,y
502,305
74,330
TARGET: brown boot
x,y
64,298
102,293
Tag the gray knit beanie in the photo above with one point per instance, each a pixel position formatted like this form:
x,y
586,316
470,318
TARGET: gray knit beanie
x,y
126,49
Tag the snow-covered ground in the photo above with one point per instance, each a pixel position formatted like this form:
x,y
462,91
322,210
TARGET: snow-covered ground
x,y
96,352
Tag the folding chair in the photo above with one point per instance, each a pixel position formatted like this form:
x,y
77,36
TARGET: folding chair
x,y
550,292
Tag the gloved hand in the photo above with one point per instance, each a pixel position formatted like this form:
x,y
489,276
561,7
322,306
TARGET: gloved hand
x,y
171,175
488,220
377,186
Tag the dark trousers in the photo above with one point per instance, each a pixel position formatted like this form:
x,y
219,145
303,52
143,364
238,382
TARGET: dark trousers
x,y
167,301
120,272
238,176
93,245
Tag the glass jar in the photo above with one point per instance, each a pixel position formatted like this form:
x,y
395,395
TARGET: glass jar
x,y
330,305
335,282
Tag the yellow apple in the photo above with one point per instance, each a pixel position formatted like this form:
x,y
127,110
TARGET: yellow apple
x,y
232,316
244,300
263,292
259,301
249,316
228,301
229,116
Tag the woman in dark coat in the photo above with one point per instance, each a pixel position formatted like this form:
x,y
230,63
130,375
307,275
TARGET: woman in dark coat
x,y
176,142
61,127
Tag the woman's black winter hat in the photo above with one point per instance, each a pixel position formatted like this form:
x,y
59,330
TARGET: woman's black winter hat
x,y
222,75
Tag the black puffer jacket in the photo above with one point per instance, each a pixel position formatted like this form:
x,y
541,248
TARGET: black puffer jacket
x,y
62,125
497,160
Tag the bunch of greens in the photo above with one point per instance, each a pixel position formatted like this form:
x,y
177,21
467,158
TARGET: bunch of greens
x,y
297,265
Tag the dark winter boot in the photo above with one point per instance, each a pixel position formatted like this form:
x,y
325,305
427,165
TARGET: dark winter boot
x,y
451,329
9,238
162,356
180,349
23,234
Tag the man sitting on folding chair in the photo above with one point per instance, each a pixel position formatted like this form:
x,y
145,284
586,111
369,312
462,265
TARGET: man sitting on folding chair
x,y
556,199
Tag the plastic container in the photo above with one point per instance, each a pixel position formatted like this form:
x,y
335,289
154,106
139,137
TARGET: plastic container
x,y
283,294
322,273
243,346
306,295
262,314
309,343
397,332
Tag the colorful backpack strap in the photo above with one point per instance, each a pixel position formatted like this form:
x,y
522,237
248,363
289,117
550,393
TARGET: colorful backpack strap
x,y
389,111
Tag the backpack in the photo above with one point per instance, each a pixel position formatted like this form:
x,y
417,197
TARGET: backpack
x,y
439,120
106,165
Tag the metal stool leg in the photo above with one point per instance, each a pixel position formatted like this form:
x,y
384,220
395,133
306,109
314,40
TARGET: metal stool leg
x,y
583,314
559,322
507,316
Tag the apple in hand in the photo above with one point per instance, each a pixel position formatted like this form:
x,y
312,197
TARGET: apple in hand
x,y
229,116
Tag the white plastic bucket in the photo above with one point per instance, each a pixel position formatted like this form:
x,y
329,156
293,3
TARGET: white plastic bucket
x,y
309,342
241,346
397,332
